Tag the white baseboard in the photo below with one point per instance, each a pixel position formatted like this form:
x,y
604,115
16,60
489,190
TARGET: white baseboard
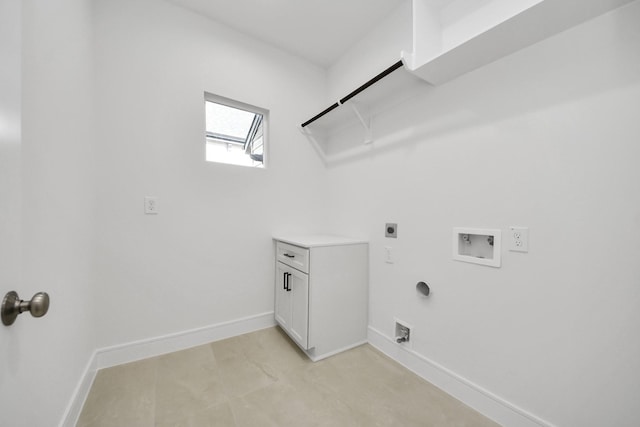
x,y
143,349
316,358
80,394
483,401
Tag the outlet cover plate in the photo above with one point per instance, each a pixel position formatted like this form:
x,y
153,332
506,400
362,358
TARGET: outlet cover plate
x,y
518,239
151,205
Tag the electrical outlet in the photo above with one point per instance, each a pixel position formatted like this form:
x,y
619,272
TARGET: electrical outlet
x,y
151,205
519,239
391,230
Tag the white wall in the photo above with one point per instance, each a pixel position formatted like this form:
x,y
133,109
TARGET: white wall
x,y
546,138
113,274
374,53
42,359
207,256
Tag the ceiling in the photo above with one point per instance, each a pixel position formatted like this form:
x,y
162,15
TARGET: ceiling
x,y
318,30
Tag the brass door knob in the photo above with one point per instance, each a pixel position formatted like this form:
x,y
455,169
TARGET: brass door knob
x,y
12,305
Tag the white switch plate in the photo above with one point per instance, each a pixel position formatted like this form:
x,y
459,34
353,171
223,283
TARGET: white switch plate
x,y
518,239
151,205
388,255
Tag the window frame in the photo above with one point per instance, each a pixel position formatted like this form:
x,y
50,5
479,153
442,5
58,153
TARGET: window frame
x,y
257,111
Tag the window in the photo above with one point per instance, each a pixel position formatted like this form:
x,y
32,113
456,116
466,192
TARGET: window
x,y
235,132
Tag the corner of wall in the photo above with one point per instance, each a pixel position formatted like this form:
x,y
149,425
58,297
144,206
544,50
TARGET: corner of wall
x,y
156,346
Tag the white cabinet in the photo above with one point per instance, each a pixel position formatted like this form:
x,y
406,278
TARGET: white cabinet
x,y
321,298
292,303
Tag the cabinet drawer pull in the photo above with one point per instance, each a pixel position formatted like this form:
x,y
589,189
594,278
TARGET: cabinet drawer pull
x,y
289,256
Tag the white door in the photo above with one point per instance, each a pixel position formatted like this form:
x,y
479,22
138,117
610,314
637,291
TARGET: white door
x,y
10,93
283,297
299,285
14,383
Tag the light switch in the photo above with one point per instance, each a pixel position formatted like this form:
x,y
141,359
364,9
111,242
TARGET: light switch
x,y
388,255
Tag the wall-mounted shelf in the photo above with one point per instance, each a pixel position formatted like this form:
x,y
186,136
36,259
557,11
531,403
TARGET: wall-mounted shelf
x,y
353,114
496,29
447,43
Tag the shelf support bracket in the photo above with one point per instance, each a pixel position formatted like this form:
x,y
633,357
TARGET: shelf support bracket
x,y
366,124
314,143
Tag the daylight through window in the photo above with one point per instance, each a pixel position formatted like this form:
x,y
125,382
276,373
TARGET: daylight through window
x,y
235,132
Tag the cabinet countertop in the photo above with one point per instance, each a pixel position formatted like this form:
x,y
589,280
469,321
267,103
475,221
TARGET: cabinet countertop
x,y
318,240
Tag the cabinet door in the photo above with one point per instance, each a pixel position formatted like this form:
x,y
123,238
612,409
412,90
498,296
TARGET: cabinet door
x,y
299,327
283,297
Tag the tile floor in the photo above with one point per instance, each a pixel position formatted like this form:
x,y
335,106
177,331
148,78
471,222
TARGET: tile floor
x,y
262,379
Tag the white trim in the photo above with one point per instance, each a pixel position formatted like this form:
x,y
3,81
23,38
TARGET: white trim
x,y
332,353
151,347
480,399
72,413
143,349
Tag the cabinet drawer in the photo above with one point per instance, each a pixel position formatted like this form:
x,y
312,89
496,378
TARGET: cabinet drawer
x,y
293,256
